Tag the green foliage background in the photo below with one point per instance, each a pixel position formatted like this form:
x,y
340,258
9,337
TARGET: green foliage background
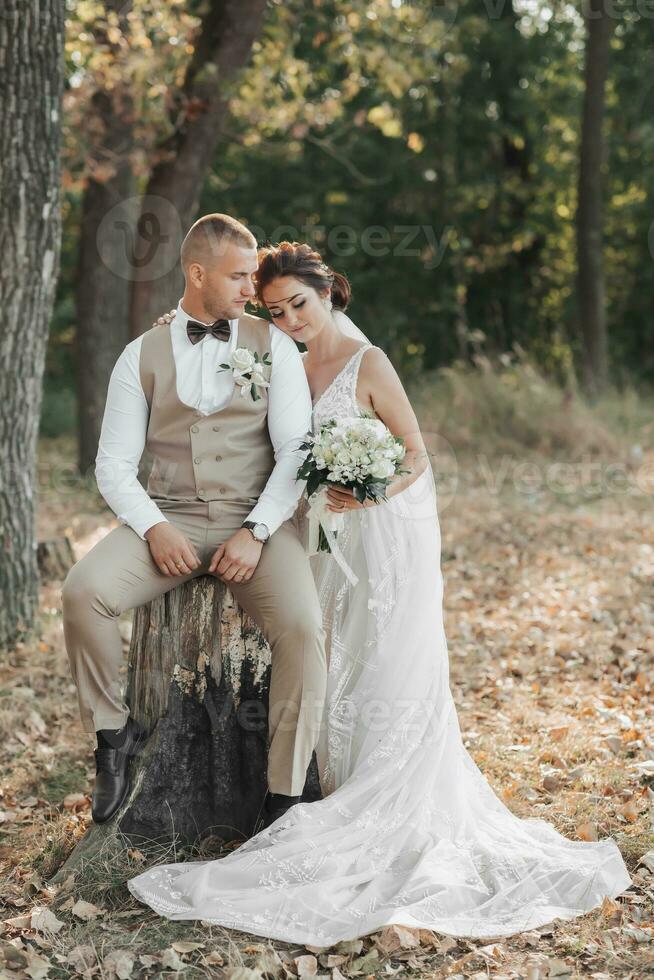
x,y
430,151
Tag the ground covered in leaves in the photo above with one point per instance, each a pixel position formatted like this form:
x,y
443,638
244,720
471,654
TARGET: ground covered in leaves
x,y
550,623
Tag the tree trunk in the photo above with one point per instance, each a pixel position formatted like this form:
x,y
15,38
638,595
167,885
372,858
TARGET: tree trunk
x,y
55,558
199,673
177,179
31,54
104,267
590,274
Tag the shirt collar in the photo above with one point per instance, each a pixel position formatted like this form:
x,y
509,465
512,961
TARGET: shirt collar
x,y
181,318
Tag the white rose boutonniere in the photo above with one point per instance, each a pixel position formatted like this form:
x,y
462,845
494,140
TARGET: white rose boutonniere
x,y
248,370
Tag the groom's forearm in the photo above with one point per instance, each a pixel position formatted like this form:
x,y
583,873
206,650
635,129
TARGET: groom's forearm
x,y
289,423
119,487
281,494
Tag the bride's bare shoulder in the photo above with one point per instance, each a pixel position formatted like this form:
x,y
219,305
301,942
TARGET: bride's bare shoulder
x,y
374,362
377,374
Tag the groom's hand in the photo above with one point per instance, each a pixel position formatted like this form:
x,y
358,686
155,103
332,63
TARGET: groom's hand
x,y
237,559
171,550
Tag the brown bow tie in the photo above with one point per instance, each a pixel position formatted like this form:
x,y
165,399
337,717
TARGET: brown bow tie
x,y
220,329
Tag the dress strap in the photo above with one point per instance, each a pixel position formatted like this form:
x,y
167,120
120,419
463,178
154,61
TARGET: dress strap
x,y
355,364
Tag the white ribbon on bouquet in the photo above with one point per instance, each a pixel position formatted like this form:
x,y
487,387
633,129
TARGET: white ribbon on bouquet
x,y
331,522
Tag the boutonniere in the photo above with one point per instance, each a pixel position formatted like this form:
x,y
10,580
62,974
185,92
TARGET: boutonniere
x,y
248,370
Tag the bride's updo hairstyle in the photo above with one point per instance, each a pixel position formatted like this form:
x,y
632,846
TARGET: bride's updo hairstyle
x,y
304,263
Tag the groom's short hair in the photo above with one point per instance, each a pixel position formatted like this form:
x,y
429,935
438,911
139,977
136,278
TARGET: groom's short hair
x,y
206,239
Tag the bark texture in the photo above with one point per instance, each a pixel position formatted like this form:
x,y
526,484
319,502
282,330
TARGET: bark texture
x,y
107,220
184,159
31,84
199,674
591,292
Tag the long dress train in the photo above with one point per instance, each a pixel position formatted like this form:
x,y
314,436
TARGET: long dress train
x,y
409,831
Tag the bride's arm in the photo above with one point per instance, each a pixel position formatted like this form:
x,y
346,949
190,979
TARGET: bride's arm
x,y
380,385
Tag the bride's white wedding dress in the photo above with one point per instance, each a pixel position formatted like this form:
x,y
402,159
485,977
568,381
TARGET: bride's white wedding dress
x,y
409,830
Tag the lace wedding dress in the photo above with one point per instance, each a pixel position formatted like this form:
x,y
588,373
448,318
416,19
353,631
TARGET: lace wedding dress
x,y
409,831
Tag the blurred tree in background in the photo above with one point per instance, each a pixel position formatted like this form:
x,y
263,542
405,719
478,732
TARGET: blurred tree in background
x,y
431,151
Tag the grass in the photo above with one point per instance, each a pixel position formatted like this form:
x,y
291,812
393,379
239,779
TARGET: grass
x,y
549,620
506,404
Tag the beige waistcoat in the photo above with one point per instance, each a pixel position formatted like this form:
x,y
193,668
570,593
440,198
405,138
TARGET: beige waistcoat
x,y
226,456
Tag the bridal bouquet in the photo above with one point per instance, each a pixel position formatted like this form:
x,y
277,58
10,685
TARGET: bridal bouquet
x,y
359,453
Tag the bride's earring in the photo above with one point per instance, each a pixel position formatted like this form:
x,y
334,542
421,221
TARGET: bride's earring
x,y
328,303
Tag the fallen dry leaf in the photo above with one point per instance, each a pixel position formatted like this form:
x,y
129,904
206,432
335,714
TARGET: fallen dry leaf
x,y
43,920
587,831
86,910
119,963
306,966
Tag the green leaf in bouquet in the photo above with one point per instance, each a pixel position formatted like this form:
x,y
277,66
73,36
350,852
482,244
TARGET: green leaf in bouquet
x,y
314,481
305,470
377,491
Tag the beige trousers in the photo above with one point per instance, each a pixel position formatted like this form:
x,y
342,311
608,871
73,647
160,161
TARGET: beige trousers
x,y
119,573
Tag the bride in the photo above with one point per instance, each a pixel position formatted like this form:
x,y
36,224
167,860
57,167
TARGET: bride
x,y
408,831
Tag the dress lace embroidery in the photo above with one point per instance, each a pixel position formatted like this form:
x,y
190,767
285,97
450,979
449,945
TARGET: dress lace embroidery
x,y
409,831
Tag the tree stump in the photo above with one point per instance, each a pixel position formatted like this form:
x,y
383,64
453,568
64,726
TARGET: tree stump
x,y
54,558
198,681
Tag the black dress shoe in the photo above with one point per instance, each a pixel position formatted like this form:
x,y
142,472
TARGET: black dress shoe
x,y
276,805
112,771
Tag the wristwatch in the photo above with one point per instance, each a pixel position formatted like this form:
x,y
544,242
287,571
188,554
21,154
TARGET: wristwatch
x,y
259,531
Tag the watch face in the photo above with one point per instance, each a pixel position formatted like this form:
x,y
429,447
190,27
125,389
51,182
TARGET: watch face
x,y
260,532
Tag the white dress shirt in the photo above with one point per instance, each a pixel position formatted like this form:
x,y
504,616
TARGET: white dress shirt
x,y
201,386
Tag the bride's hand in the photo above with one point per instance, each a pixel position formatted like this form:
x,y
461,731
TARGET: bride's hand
x,y
164,318
342,499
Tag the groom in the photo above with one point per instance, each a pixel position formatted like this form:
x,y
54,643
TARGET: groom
x,y
221,489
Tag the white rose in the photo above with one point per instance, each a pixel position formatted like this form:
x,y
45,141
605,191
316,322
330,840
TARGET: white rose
x,y
381,469
243,359
374,428
258,377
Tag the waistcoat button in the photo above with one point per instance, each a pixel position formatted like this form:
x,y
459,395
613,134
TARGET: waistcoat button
x,y
215,428
222,490
195,428
219,458
198,459
200,491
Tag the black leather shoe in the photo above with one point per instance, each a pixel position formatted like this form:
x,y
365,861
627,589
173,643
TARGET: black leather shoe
x,y
112,772
276,805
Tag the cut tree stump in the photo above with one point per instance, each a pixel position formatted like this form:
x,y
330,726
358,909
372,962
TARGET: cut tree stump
x,y
54,558
198,681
